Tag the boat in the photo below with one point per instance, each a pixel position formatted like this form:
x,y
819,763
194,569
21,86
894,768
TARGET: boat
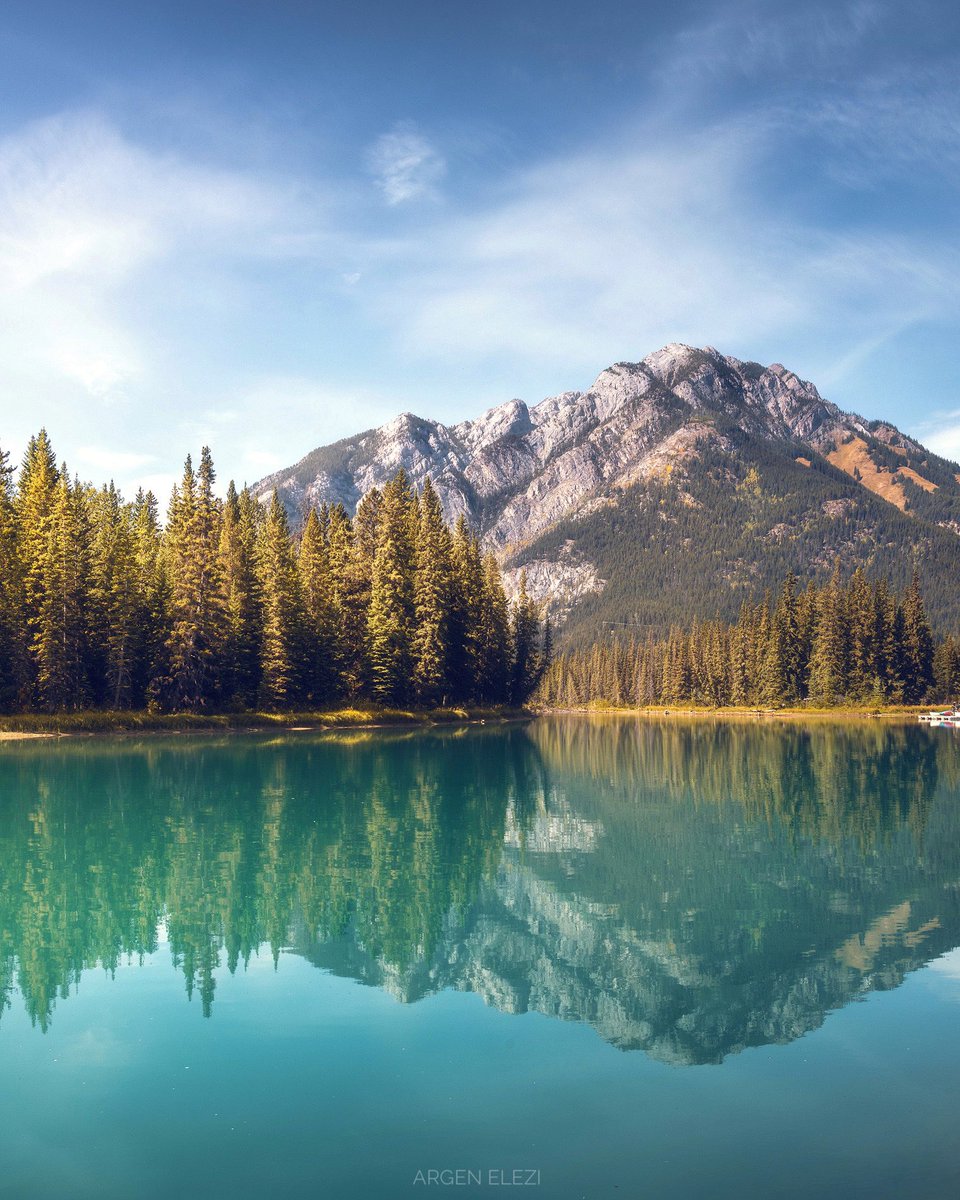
x,y
942,718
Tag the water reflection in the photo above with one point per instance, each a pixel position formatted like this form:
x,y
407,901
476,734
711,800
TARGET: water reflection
x,y
686,888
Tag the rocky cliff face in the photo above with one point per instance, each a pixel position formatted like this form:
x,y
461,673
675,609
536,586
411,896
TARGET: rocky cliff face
x,y
519,473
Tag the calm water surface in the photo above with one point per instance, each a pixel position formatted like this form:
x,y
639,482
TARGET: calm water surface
x,y
622,959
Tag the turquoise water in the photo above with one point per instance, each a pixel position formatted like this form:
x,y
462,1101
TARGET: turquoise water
x,y
617,958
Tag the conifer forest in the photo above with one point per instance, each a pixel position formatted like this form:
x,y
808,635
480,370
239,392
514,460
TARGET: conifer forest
x,y
223,607
848,642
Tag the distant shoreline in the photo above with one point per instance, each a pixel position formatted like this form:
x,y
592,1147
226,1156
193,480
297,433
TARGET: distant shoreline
x,y
866,712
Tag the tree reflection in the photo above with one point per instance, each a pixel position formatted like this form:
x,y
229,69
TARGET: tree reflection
x,y
686,887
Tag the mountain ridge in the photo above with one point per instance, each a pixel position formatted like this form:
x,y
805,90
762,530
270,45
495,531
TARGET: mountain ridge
x,y
522,474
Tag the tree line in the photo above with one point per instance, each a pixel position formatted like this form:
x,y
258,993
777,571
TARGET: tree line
x,y
849,641
223,606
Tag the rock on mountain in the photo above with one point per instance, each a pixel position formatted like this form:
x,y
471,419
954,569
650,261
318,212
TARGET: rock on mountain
x,y
672,487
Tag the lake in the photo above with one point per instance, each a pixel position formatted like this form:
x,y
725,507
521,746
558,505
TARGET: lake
x,y
579,957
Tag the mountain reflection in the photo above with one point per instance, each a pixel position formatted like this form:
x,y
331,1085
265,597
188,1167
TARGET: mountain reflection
x,y
688,888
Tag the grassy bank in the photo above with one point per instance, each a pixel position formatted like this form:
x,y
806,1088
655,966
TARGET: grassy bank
x,y
903,712
78,723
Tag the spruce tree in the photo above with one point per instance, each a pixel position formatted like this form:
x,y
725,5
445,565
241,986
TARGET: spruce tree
x,y
917,644
525,669
495,650
152,621
241,597
863,647
196,607
33,508
281,661
350,595
59,645
391,610
9,589
320,625
829,657
432,594
467,616
114,607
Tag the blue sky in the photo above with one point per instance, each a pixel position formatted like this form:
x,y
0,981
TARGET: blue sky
x,y
269,225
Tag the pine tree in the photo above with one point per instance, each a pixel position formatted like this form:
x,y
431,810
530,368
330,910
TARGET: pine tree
x,y
59,643
114,604
468,621
525,669
829,656
432,594
390,615
495,650
321,649
917,644
350,596
33,509
151,625
281,662
863,648
946,668
9,589
196,608
237,552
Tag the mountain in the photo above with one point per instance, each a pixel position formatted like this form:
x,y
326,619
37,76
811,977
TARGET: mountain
x,y
672,488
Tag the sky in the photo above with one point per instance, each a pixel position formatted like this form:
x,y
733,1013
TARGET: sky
x,y
264,226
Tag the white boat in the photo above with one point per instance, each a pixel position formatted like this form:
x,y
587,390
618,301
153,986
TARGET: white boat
x,y
946,718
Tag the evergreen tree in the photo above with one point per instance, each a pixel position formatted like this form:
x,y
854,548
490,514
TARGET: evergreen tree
x,y
468,620
863,647
829,656
321,650
281,662
59,641
241,596
432,595
195,605
391,611
9,589
151,625
917,644
495,649
350,571
33,509
525,669
114,603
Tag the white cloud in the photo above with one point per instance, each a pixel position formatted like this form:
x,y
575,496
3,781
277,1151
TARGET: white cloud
x,y
112,462
657,239
405,165
85,216
942,436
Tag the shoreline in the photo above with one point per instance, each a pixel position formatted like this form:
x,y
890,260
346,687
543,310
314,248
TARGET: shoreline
x,y
33,726
840,713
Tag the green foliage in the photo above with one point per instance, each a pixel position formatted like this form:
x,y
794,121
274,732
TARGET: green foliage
x,y
223,609
841,643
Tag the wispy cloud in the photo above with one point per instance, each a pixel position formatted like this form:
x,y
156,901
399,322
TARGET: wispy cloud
x,y
405,165
84,214
655,239
941,434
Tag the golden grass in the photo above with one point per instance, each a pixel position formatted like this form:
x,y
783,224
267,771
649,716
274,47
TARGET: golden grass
x,y
24,725
854,456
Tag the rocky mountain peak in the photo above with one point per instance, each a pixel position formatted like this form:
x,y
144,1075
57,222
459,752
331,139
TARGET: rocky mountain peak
x,y
518,472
